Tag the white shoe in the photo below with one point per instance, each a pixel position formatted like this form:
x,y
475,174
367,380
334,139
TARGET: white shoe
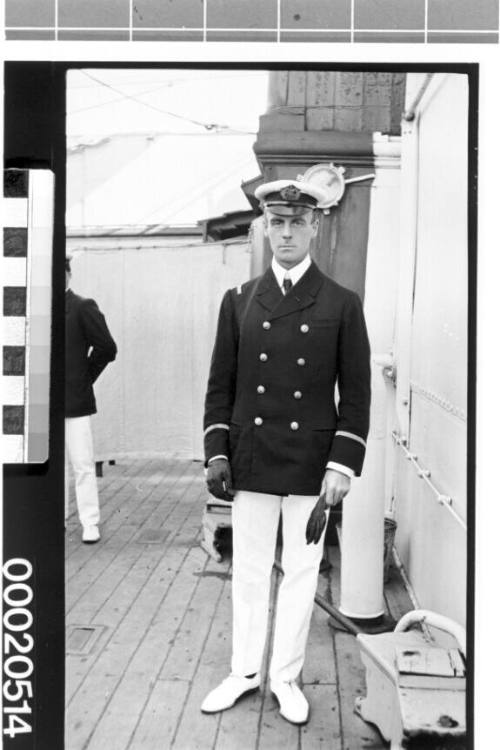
x,y
293,704
228,692
90,534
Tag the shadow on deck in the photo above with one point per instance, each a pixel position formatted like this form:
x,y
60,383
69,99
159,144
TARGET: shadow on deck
x,y
148,618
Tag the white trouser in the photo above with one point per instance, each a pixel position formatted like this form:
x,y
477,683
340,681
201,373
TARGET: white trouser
x,y
80,452
255,524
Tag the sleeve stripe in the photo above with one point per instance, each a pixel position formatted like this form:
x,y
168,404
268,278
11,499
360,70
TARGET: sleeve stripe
x,y
342,433
219,426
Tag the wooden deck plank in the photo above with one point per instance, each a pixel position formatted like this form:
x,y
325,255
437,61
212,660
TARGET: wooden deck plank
x,y
275,731
319,664
107,576
167,611
239,727
113,493
73,532
119,474
85,608
92,561
125,473
333,557
197,731
158,643
117,726
161,716
168,518
88,563
396,596
113,608
122,500
182,538
115,611
131,508
184,656
110,493
97,688
322,732
125,478
357,734
125,595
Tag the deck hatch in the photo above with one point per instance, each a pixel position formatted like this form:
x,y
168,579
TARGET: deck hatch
x,y
81,639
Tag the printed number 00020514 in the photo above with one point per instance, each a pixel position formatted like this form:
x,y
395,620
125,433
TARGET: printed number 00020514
x,y
17,643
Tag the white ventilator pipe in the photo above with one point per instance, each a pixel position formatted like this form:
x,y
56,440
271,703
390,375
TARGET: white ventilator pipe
x,y
362,539
362,545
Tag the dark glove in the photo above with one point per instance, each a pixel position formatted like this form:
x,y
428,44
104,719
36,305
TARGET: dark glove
x,y
219,479
316,522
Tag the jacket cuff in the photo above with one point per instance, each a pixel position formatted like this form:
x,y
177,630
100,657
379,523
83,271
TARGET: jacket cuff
x,y
348,449
341,468
216,440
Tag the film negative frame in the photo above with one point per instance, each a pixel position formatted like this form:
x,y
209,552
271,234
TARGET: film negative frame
x,y
33,505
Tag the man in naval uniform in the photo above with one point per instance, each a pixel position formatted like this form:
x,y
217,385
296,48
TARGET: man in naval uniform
x,y
89,349
276,437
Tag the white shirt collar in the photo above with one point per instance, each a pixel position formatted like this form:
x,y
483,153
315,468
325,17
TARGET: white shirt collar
x,y
294,273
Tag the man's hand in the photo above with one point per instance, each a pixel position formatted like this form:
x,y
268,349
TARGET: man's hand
x,y
335,486
219,479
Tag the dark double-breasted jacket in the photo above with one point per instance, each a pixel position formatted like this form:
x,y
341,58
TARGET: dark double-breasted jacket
x,y
271,405
89,348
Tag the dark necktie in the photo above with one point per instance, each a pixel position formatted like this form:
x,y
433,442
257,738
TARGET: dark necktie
x,y
287,284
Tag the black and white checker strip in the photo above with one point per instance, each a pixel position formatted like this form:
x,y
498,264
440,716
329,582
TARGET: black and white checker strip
x,y
14,283
27,222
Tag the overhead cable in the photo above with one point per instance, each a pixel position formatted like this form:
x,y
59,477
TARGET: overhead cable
x,y
119,99
207,125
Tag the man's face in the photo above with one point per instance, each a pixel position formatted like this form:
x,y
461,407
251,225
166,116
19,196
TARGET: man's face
x,y
290,234
68,278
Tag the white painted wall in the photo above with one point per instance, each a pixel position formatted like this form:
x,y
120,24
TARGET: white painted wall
x,y
431,347
161,305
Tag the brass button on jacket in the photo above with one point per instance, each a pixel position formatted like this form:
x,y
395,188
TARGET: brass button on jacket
x,y
297,394
266,324
294,425
263,357
258,421
261,389
301,361
304,328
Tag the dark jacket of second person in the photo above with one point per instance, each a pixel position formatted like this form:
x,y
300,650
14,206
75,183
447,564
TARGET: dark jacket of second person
x,y
89,348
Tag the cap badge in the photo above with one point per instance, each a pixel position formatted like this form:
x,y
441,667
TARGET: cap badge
x,y
290,193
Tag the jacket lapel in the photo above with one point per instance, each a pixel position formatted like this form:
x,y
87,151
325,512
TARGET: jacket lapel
x,y
268,293
300,296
